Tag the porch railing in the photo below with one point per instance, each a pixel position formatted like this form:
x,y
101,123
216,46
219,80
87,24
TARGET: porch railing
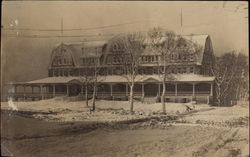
x,y
107,94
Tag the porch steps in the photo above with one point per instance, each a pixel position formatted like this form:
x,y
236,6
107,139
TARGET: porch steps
x,y
150,100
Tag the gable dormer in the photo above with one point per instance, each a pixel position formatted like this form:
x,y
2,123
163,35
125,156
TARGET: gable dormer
x,y
61,57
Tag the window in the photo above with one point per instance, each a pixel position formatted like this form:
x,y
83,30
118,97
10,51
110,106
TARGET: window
x,y
191,57
184,57
114,60
173,71
115,47
179,56
82,50
156,58
184,70
179,70
61,73
149,58
191,69
65,73
56,73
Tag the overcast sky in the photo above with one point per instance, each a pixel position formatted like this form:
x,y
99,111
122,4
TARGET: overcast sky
x,y
226,25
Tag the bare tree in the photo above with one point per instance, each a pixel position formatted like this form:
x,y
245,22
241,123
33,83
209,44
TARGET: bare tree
x,y
91,77
86,80
165,42
132,47
242,77
224,71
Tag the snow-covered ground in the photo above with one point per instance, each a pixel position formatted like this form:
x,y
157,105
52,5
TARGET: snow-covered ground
x,y
77,111
187,136
57,110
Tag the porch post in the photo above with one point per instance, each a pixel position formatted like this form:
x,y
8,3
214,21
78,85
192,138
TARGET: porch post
x,y
82,89
126,89
14,89
176,92
142,89
54,90
111,90
32,89
14,92
24,92
211,89
67,86
159,89
193,89
41,91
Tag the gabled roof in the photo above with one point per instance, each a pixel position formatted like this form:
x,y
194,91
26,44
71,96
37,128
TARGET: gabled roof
x,y
200,40
91,51
91,48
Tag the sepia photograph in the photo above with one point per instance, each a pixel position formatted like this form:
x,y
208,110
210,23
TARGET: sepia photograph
x,y
124,79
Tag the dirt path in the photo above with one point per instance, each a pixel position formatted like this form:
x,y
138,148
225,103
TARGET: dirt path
x,y
38,138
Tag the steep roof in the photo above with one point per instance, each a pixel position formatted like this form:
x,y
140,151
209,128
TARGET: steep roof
x,y
200,40
95,48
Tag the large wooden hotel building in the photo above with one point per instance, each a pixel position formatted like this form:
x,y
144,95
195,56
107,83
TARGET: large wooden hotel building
x,y
69,63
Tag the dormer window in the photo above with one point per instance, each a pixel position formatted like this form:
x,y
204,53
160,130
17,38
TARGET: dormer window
x,y
191,57
115,47
82,50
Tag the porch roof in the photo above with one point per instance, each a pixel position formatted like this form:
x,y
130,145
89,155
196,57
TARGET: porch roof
x,y
122,79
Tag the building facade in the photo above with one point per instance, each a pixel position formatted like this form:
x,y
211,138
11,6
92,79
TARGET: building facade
x,y
70,64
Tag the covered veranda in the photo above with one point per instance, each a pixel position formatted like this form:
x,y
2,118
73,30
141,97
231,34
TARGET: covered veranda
x,y
111,87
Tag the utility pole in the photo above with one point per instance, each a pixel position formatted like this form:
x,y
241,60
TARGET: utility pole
x,y
181,23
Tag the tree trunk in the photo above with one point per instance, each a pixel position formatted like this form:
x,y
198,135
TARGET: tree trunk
x,y
163,96
131,98
86,95
218,95
94,97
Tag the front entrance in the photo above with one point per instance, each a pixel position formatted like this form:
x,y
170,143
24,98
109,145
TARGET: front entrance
x,y
74,90
151,90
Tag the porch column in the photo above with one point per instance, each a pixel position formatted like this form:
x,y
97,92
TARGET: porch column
x,y
14,92
14,89
126,89
176,92
82,88
32,89
193,89
142,92
24,92
142,89
67,86
159,89
211,89
41,91
54,90
111,90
